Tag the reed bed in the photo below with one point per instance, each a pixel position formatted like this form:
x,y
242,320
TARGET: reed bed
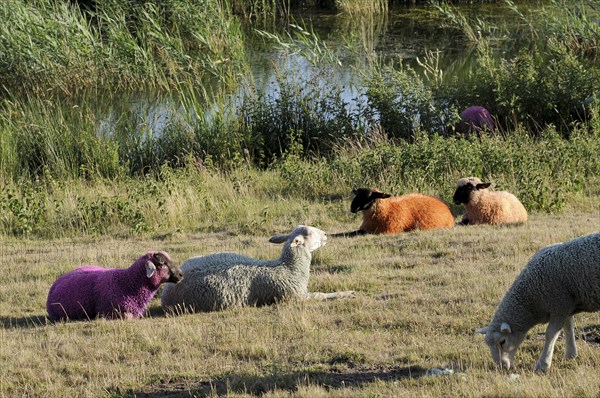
x,y
47,44
362,7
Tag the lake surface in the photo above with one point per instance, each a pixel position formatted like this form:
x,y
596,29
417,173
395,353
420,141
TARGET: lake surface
x,y
403,35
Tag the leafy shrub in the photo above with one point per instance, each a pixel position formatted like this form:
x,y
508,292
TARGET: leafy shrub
x,y
402,102
310,110
22,209
542,172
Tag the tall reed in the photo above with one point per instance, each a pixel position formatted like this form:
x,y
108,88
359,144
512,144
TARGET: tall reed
x,y
576,25
52,44
457,19
362,7
262,11
41,136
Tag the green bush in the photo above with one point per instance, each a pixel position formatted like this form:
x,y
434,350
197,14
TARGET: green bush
x,y
542,172
532,88
306,110
402,102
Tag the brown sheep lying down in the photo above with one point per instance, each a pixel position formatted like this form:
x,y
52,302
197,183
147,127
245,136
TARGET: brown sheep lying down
x,y
387,214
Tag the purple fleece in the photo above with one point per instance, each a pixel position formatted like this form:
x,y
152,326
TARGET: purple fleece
x,y
91,291
475,119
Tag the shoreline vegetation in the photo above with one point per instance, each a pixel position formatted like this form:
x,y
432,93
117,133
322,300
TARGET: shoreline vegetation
x,y
67,168
140,125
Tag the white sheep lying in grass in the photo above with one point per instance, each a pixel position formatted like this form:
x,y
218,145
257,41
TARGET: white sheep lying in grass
x,y
223,280
483,206
559,281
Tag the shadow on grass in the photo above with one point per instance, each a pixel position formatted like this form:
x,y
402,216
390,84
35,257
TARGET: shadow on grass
x,y
155,312
349,234
36,321
590,334
26,322
259,385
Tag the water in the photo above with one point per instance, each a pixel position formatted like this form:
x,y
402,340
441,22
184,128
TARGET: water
x,y
405,35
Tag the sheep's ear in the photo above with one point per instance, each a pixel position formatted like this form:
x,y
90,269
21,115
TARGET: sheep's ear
x,y
354,191
278,238
505,328
150,269
482,330
380,195
483,185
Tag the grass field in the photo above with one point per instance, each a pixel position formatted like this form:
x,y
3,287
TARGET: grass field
x,y
211,182
419,298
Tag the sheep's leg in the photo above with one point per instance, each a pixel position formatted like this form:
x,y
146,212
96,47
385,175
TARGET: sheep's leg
x,y
463,221
552,332
116,314
329,296
352,234
569,333
128,316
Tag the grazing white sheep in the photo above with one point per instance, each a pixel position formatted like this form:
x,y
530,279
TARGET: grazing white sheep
x,y
559,281
223,280
483,206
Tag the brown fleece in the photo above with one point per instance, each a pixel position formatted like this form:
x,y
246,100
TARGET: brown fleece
x,y
406,213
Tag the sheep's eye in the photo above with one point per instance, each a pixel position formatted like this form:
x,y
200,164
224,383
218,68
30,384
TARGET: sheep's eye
x,y
158,261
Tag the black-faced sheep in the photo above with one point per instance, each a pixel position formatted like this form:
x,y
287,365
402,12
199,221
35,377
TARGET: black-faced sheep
x,y
384,214
91,291
483,206
558,282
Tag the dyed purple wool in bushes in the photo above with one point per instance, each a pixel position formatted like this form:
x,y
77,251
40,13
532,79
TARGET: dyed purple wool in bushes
x,y
91,291
475,119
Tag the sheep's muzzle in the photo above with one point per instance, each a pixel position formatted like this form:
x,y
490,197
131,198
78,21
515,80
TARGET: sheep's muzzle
x,y
176,276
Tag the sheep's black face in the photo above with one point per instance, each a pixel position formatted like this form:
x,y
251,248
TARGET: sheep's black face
x,y
462,194
365,198
162,262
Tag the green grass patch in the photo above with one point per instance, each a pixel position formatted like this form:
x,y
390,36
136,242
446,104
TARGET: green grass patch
x,y
549,174
370,345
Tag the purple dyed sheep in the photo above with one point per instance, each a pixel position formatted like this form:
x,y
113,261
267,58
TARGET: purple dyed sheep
x,y
91,291
475,119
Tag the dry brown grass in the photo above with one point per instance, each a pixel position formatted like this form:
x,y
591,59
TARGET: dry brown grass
x,y
420,296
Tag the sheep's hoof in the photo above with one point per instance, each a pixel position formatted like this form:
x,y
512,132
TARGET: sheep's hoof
x,y
541,367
